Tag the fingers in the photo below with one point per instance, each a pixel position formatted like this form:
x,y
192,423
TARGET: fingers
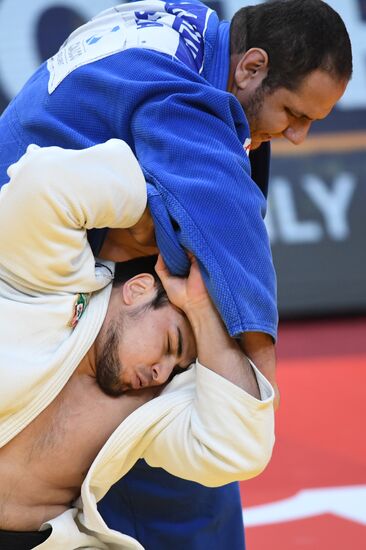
x,y
162,271
160,267
191,257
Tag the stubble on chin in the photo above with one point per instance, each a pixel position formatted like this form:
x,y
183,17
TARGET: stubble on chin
x,y
252,110
108,366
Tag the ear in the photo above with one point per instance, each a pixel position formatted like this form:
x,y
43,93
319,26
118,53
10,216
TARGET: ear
x,y
251,68
138,289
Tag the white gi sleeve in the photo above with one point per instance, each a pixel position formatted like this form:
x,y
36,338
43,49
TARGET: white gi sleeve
x,y
224,435
54,195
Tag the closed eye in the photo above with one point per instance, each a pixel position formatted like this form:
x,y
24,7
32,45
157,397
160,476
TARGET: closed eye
x,y
168,346
298,116
292,114
175,346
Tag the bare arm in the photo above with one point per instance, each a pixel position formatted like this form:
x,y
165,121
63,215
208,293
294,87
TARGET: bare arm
x,y
133,242
223,430
216,349
259,347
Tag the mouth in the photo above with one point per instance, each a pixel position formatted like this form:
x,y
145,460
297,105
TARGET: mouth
x,y
136,383
143,381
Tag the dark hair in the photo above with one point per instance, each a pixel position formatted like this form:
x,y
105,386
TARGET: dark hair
x,y
126,270
299,37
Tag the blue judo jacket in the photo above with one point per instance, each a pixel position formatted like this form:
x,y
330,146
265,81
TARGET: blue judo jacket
x,y
155,74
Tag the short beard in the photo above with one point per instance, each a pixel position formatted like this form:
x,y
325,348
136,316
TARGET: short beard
x,y
253,107
108,366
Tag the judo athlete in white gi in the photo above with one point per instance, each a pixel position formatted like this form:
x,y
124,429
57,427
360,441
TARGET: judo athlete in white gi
x,y
84,361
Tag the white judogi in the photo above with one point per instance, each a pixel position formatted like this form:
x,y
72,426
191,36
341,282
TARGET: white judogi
x,y
202,427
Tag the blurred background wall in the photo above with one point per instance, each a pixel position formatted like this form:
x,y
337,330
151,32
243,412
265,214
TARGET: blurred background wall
x,y
316,217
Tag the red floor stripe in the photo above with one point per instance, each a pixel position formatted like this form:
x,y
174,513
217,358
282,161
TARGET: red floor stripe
x,y
321,443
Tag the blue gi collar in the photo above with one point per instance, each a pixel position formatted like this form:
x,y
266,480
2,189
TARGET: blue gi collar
x,y
217,55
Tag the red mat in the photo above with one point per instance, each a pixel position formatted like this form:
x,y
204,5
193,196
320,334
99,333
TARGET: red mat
x,y
313,493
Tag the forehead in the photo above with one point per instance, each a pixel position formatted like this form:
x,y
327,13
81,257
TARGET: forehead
x,y
316,96
163,319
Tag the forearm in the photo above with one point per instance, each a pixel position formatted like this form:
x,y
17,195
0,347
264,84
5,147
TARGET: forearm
x,y
202,443
121,245
216,350
259,347
229,262
220,353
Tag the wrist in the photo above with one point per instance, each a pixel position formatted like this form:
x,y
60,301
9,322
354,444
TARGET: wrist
x,y
209,330
199,313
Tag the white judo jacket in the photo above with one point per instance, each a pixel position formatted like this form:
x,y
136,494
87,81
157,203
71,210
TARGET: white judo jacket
x,y
201,428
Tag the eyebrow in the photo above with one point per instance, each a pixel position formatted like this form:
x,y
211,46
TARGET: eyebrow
x,y
180,343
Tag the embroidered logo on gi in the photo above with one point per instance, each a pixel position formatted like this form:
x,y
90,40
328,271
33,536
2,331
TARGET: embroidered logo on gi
x,y
247,145
81,301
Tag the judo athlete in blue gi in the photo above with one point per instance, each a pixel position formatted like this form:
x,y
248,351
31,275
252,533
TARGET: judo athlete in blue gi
x,y
192,96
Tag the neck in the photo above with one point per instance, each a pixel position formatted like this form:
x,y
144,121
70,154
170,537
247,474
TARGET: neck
x,y
87,364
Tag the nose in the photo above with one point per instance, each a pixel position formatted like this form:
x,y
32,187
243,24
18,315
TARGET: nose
x,y
297,132
161,371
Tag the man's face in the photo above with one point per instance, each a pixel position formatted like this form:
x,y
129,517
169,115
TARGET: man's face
x,y
289,114
142,347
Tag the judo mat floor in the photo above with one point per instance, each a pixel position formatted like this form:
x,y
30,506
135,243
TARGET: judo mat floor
x,y
313,493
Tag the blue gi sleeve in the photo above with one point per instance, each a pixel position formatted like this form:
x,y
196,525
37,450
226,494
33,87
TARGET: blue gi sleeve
x,y
189,138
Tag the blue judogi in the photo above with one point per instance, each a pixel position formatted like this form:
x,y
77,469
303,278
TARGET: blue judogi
x,y
165,512
164,94
155,74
